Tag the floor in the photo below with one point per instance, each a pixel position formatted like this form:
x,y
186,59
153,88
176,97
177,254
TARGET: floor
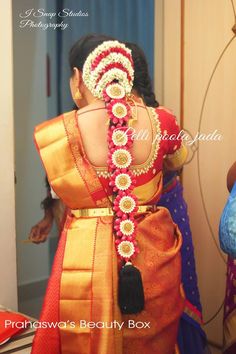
x,y
31,307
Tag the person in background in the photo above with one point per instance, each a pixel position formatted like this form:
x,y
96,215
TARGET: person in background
x,y
54,210
191,336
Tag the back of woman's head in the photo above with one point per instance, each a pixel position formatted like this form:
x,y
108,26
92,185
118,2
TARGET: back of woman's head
x,y
83,47
142,81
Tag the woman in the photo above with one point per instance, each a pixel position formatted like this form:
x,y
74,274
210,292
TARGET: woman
x,y
105,199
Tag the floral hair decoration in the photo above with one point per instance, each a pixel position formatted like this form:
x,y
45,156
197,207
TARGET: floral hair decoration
x,y
108,72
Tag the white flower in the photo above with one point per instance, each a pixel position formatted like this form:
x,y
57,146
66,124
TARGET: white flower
x,y
127,227
127,204
119,137
121,158
109,76
115,91
90,76
112,58
119,110
126,249
123,181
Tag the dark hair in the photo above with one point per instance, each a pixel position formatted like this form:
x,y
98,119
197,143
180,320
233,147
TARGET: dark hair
x,y
142,81
83,47
48,202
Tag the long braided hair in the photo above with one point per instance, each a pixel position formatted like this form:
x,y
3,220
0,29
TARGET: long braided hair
x,y
108,72
142,81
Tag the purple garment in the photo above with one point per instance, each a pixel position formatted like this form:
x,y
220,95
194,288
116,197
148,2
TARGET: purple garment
x,y
230,296
191,337
230,305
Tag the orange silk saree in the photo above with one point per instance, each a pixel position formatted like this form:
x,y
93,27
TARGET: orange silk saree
x,y
80,309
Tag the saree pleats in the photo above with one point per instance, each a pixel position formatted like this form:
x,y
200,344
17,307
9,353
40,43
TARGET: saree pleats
x,y
50,337
83,287
160,265
87,288
88,295
104,303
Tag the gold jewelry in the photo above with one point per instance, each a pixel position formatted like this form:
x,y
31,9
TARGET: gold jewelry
x,y
134,110
78,95
93,212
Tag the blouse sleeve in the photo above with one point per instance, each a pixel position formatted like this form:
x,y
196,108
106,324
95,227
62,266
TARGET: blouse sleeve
x,y
175,150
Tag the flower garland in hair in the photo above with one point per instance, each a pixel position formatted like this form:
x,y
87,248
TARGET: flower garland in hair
x,y
108,73
125,203
110,61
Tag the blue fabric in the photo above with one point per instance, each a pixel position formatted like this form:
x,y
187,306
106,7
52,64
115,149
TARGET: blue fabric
x,y
191,337
131,20
174,201
190,341
227,227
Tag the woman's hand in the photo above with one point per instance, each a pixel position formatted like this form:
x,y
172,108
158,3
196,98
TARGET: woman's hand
x,y
39,232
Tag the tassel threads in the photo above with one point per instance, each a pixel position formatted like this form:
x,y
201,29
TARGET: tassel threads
x,y
130,290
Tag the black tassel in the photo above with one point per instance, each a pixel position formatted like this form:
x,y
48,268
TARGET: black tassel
x,y
130,290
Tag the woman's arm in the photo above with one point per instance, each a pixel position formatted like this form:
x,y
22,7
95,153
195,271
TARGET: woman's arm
x,y
40,231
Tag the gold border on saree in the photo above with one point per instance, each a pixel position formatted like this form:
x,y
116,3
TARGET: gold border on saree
x,y
93,212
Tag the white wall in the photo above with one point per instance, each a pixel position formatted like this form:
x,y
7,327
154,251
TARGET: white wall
x,y
167,54
207,26
52,53
8,294
171,55
30,104
206,34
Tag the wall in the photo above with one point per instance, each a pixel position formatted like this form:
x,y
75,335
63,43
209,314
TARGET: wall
x,y
8,294
52,103
207,30
30,102
206,34
167,53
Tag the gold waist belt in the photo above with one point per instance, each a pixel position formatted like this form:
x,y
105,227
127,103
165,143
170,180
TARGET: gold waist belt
x,y
108,211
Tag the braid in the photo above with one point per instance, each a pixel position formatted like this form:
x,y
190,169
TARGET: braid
x,y
108,73
142,81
